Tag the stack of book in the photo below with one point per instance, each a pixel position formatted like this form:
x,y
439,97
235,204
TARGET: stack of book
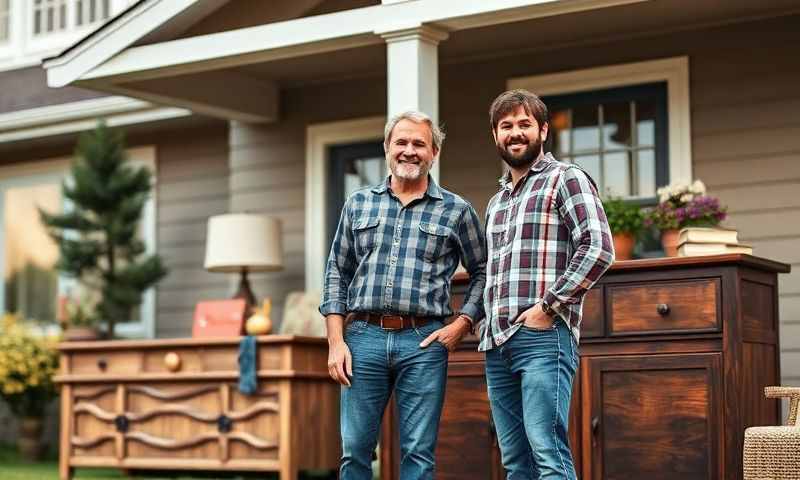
x,y
694,241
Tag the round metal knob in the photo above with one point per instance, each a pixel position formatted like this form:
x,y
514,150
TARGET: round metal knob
x,y
172,361
663,309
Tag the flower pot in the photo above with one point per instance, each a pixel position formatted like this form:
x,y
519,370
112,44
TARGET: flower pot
x,y
669,241
78,334
623,245
29,442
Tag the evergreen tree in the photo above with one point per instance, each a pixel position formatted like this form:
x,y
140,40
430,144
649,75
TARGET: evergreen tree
x,y
98,236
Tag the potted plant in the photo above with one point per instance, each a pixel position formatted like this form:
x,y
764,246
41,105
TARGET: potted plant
x,y
80,323
626,220
27,365
680,206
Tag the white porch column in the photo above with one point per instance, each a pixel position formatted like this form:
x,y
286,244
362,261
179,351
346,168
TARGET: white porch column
x,y
412,57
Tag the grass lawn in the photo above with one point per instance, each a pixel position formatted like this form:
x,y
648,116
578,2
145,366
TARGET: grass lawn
x,y
13,468
46,469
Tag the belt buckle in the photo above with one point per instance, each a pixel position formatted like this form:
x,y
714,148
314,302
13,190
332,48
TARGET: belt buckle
x,y
398,317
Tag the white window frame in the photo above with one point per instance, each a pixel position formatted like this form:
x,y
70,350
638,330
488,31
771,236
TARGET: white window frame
x,y
318,138
674,71
28,173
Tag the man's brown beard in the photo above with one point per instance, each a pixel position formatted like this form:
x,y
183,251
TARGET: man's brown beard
x,y
526,159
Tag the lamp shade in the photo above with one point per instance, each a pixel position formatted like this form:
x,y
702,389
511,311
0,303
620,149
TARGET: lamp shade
x,y
238,241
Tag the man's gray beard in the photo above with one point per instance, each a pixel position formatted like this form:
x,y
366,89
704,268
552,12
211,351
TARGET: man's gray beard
x,y
525,160
424,169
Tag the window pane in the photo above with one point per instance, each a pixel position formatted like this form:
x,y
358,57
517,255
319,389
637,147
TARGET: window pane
x,y
646,169
62,16
559,132
590,163
79,12
363,172
31,282
106,9
646,123
50,19
616,125
585,128
616,174
4,20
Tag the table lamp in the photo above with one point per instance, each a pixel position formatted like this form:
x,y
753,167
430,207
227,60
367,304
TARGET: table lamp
x,y
244,243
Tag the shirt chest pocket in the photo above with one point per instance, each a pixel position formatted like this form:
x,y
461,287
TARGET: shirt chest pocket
x,y
365,231
433,241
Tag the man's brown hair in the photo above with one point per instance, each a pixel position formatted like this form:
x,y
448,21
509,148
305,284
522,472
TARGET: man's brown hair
x,y
506,102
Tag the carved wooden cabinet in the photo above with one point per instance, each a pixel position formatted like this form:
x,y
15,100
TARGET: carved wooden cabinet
x,y
675,353
175,405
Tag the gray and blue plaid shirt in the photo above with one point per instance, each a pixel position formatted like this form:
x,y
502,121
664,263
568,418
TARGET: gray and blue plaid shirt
x,y
390,258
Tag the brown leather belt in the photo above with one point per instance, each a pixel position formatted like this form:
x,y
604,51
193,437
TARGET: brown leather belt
x,y
390,322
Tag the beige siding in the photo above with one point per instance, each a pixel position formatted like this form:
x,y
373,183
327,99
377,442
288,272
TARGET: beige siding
x,y
192,185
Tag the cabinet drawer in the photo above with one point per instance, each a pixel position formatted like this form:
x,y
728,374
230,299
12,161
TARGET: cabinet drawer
x,y
665,307
156,361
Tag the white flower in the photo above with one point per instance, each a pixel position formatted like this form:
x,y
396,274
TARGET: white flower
x,y
699,187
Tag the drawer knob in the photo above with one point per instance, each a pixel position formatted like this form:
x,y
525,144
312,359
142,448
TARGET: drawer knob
x,y
102,364
663,309
172,361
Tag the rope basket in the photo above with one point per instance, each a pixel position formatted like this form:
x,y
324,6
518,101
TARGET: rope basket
x,y
773,453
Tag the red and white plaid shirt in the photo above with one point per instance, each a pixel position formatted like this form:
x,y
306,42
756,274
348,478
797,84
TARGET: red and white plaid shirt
x,y
548,239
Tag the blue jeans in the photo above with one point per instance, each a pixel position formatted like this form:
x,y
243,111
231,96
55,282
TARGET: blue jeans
x,y
383,361
529,380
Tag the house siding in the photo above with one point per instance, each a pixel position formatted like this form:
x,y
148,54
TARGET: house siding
x,y
193,177
27,88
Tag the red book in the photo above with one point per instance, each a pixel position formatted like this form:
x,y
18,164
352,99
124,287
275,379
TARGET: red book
x,y
219,318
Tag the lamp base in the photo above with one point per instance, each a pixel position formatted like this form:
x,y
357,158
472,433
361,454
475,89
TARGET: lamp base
x,y
245,291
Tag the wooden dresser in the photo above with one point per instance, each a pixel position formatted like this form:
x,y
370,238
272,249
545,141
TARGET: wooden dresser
x,y
675,354
123,406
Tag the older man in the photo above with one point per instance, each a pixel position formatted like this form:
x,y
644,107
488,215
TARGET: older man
x,y
548,243
387,292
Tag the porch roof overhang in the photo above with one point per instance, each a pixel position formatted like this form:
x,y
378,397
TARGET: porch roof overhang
x,y
236,74
110,60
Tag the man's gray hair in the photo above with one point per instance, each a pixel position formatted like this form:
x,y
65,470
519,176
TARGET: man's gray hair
x,y
417,117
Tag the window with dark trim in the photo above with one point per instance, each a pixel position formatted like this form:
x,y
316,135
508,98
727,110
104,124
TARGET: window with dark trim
x,y
350,168
618,135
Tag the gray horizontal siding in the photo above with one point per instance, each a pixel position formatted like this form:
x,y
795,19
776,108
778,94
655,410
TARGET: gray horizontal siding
x,y
192,185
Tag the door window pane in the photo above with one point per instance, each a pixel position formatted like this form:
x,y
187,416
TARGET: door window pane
x,y
363,172
30,255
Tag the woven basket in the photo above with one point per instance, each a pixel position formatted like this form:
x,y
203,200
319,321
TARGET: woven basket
x,y
773,453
